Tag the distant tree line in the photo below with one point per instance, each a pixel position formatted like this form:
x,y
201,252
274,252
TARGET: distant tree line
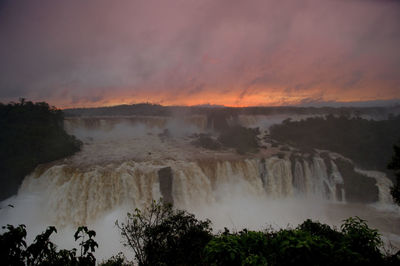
x,y
161,235
367,142
149,109
241,139
30,134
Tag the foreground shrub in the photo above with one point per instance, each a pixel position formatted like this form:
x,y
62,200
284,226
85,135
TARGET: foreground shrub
x,y
362,240
161,235
243,248
15,252
116,260
311,243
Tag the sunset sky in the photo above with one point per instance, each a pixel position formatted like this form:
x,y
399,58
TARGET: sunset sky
x,y
189,52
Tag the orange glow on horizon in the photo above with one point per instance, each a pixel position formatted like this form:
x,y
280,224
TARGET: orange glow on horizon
x,y
228,98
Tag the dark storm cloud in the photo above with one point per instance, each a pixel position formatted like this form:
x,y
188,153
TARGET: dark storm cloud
x,y
191,52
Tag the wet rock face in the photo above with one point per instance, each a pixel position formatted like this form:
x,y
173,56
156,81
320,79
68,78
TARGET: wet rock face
x,y
358,187
165,177
263,171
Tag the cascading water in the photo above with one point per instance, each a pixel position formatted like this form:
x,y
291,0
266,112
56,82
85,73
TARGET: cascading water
x,y
81,195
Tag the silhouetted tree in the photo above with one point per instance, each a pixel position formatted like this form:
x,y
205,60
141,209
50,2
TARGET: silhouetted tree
x,y
160,235
42,252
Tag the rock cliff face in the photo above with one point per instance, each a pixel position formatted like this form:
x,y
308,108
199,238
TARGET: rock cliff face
x,y
358,187
165,178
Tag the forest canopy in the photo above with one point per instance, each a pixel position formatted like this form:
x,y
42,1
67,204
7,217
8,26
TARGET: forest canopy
x,y
367,142
31,134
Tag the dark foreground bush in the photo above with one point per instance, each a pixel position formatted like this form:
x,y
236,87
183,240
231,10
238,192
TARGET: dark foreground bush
x,y
116,260
14,250
243,248
311,243
161,235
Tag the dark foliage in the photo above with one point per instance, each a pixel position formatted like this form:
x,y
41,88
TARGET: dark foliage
x,y
243,248
367,142
395,166
311,243
207,142
162,236
240,138
30,134
43,252
116,260
12,245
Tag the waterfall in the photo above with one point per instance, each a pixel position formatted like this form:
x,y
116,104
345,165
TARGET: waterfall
x,y
78,195
383,183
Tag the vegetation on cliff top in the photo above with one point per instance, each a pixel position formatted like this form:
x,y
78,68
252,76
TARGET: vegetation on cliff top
x,y
367,142
30,134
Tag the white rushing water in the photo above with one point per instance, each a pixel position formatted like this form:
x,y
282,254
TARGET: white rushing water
x,y
80,195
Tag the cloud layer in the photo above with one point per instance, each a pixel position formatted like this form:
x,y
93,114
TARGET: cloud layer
x,y
260,52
